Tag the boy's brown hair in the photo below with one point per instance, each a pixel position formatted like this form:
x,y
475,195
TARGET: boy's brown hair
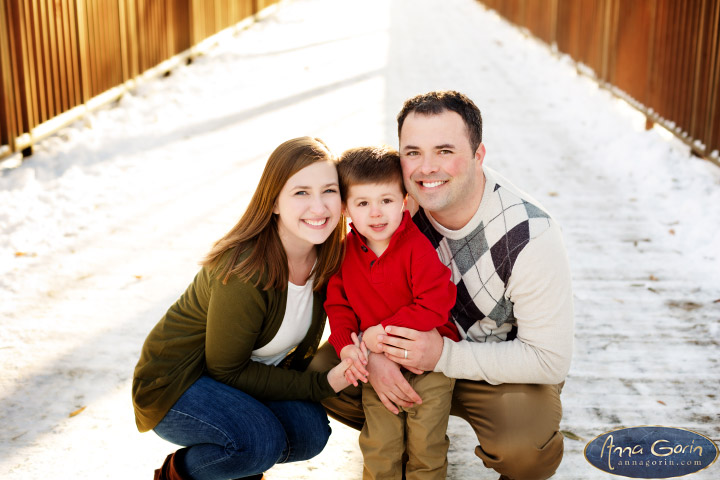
x,y
363,165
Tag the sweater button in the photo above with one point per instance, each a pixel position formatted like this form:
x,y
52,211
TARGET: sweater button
x,y
372,263
364,248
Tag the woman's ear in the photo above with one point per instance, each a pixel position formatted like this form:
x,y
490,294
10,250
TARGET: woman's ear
x,y
275,209
405,202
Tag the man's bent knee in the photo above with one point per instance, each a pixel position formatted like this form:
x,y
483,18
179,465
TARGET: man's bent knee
x,y
520,460
517,426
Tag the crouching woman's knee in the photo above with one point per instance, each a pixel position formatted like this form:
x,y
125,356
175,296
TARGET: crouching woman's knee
x,y
257,447
306,429
311,440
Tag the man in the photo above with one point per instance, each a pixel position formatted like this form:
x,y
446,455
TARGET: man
x,y
514,301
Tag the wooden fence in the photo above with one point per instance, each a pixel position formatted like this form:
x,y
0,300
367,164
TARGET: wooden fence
x,y
661,55
59,55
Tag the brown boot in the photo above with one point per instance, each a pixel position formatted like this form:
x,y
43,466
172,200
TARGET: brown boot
x,y
170,470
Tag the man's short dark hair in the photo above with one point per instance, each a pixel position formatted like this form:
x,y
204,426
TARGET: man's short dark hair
x,y
436,102
363,165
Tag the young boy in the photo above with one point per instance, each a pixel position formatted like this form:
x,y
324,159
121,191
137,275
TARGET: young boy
x,y
391,275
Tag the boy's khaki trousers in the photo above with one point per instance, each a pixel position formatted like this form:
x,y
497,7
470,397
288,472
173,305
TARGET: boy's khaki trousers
x,y
517,425
419,430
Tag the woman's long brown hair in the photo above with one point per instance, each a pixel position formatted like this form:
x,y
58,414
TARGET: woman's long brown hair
x,y
257,230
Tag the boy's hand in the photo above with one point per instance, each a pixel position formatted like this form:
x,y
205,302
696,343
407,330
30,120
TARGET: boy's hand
x,y
370,338
357,370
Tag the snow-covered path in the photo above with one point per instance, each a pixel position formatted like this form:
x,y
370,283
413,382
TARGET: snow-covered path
x,y
103,227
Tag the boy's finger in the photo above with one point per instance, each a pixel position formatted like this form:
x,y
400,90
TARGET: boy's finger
x,y
363,354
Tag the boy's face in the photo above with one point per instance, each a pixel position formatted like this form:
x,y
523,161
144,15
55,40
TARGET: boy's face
x,y
376,210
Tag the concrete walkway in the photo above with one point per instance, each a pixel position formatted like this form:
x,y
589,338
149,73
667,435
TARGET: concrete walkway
x,y
169,178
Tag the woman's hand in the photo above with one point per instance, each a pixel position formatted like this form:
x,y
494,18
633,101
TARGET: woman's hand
x,y
336,376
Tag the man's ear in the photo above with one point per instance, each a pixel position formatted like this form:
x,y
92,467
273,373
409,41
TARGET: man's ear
x,y
411,204
480,153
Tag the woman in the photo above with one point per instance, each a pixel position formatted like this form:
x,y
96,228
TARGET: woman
x,y
223,372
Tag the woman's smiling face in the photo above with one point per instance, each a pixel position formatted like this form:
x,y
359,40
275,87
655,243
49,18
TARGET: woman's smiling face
x,y
309,205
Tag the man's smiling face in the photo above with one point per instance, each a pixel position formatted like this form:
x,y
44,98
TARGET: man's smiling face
x,y
440,169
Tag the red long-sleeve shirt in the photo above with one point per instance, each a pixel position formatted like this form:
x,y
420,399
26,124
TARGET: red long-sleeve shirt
x,y
406,286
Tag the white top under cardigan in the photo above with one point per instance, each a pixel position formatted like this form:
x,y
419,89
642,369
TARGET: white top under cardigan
x,y
294,327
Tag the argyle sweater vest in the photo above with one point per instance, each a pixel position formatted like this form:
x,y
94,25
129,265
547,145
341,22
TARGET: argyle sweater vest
x,y
482,260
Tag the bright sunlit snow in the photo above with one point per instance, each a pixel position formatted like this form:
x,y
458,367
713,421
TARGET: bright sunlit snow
x,y
102,228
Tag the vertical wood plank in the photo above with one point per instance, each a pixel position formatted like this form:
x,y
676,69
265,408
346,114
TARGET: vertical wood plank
x,y
64,101
50,54
69,57
712,122
91,45
8,116
651,68
81,29
37,73
133,36
124,42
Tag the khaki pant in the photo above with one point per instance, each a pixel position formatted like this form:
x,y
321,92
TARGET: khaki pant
x,y
517,425
418,430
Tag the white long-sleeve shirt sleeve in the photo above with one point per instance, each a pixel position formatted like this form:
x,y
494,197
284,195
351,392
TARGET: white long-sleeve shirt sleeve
x,y
540,289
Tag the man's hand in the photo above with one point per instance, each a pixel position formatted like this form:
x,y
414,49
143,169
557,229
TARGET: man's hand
x,y
423,348
390,385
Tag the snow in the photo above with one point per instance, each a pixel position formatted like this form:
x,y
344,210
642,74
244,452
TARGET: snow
x,y
102,228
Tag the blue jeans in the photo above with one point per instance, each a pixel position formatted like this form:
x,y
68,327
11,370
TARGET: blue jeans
x,y
230,434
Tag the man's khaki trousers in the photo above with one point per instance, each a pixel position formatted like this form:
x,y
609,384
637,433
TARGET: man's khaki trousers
x,y
517,425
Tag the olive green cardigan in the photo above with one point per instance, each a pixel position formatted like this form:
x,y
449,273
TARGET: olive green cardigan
x,y
212,329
